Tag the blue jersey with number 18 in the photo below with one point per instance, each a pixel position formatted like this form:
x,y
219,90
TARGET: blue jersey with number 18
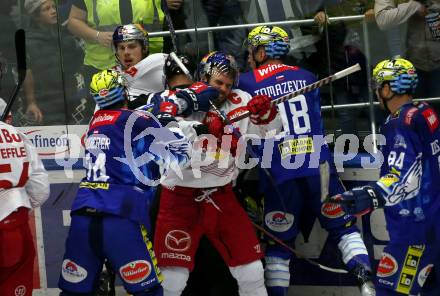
x,y
299,146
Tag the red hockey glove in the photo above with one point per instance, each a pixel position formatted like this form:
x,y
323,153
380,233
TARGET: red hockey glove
x,y
262,112
167,111
215,124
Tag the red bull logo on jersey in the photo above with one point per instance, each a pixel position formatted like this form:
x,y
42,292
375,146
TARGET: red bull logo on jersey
x,y
72,272
279,221
135,271
387,266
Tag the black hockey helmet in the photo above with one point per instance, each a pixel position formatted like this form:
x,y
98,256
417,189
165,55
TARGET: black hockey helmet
x,y
171,68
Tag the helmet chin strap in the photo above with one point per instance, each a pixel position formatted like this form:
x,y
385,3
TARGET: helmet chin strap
x,y
258,64
386,100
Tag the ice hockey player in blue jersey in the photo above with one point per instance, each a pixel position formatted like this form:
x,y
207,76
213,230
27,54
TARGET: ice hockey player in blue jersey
x,y
408,189
126,154
298,149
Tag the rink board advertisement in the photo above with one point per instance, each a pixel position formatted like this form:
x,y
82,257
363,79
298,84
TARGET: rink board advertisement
x,y
61,145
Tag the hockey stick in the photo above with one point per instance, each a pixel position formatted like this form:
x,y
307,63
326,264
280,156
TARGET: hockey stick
x,y
173,34
324,177
20,52
297,253
308,88
173,37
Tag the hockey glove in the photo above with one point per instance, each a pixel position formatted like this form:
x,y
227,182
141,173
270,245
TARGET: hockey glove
x,y
167,111
201,129
360,200
262,111
197,97
215,124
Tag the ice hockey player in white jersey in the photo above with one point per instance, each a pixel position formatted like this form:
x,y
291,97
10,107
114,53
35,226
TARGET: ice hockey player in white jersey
x,y
24,185
201,200
143,72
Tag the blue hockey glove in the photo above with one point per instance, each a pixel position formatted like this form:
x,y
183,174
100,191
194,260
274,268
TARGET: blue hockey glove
x,y
198,96
359,201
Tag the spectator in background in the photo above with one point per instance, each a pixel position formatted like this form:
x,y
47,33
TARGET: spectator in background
x,y
303,40
226,13
178,17
422,46
95,22
7,52
343,48
51,79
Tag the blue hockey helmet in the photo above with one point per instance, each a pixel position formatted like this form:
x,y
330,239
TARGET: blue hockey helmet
x,y
218,62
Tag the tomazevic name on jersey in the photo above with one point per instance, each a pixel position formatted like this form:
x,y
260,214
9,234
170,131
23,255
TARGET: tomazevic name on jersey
x,y
280,89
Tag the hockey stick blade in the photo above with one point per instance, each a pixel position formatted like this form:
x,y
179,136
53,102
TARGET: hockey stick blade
x,y
297,253
181,65
308,88
20,51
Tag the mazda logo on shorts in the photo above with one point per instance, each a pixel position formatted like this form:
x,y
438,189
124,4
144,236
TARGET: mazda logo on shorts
x,y
178,240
